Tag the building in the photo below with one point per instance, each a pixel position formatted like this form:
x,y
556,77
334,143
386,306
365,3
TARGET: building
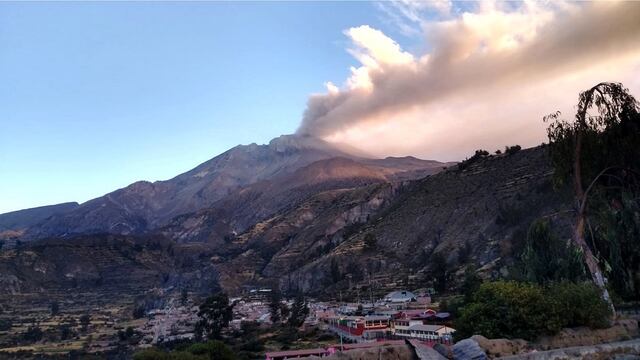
x,y
400,297
361,328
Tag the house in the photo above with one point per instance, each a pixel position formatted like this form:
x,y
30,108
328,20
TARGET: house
x,y
415,328
430,332
360,328
400,327
401,296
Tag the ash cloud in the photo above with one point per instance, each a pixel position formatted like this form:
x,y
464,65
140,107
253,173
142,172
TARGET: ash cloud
x,y
477,64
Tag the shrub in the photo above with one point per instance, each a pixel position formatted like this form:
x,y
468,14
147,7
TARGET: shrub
x,y
139,311
579,304
370,242
479,154
65,331
524,310
32,334
85,320
510,150
213,349
521,307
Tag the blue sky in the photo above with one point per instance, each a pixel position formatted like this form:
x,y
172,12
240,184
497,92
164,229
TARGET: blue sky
x,y
97,95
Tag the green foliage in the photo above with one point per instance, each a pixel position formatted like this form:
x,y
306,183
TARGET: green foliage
x,y
616,234
370,242
33,334
287,335
610,134
471,283
277,309
215,314
548,258
452,305
299,312
579,304
212,350
440,271
607,124
507,309
526,310
127,334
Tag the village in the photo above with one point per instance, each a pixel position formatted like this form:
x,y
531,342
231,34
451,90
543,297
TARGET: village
x,y
399,316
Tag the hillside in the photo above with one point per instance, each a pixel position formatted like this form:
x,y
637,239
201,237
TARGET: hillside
x,y
235,176
485,209
23,219
268,198
306,229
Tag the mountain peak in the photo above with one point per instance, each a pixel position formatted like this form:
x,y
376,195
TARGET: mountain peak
x,y
299,142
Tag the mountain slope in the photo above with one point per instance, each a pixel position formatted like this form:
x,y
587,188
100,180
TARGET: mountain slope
x,y
254,203
144,205
255,178
22,219
486,208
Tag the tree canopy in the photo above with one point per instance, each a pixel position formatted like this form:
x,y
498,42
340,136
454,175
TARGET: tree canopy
x,y
598,154
215,314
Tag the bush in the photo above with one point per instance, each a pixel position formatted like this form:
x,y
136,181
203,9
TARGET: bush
x,y
524,310
85,320
213,349
370,242
507,309
579,304
32,334
510,150
139,311
479,154
65,332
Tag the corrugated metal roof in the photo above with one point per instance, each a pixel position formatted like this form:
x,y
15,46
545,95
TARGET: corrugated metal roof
x,y
421,327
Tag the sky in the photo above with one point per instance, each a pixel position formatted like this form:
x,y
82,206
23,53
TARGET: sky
x,y
98,95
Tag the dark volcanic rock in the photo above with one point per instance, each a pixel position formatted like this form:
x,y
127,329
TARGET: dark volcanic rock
x,y
240,175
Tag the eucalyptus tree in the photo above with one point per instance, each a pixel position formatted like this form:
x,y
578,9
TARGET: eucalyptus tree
x,y
596,153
